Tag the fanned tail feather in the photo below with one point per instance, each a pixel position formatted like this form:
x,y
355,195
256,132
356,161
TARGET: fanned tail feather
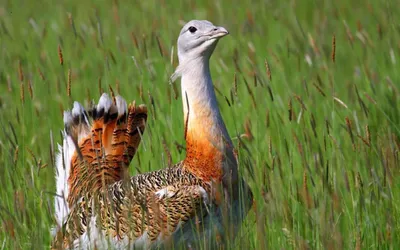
x,y
98,146
76,127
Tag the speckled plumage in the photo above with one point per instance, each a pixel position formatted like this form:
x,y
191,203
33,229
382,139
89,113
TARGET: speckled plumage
x,y
131,208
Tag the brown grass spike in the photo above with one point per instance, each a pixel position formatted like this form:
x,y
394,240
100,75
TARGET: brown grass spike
x,y
247,128
313,125
134,40
364,140
299,146
153,106
349,128
270,146
327,125
307,196
359,182
69,83
290,109
30,89
22,92
370,98
160,47
41,74
33,156
16,155
313,44
60,55
253,101
254,78
268,70
319,89
236,60
176,91
298,98
227,101
368,134
112,94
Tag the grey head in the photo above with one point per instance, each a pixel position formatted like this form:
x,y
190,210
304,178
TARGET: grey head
x,y
198,38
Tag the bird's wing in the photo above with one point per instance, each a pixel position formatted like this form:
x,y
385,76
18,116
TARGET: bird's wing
x,y
147,209
98,145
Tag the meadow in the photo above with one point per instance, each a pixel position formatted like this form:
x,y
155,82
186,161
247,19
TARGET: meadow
x,y
309,91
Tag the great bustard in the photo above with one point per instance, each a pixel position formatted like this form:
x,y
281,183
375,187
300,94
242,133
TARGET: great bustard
x,y
99,205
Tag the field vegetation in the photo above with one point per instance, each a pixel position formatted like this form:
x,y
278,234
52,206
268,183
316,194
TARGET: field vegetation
x,y
309,91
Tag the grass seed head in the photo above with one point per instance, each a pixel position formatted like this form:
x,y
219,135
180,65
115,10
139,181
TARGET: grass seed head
x,y
60,55
16,155
22,92
368,134
69,83
268,70
41,74
30,89
290,109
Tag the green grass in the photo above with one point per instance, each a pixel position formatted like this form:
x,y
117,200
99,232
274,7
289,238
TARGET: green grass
x,y
319,182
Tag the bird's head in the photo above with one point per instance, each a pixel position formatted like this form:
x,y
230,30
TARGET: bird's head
x,y
198,38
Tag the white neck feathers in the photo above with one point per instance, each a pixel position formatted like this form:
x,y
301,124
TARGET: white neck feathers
x,y
199,100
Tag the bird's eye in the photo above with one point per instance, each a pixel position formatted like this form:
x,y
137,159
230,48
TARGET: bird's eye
x,y
192,29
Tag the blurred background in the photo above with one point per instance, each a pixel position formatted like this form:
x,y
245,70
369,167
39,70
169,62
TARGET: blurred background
x,y
309,91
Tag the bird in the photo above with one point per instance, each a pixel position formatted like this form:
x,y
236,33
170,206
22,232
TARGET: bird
x,y
100,206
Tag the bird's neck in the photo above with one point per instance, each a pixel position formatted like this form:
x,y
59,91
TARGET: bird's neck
x,y
209,149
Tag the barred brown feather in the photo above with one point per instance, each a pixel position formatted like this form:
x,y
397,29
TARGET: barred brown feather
x,y
106,152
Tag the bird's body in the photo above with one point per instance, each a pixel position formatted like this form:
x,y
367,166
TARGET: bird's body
x,y
142,211
175,205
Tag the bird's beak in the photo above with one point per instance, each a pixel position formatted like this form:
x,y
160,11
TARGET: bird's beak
x,y
217,33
